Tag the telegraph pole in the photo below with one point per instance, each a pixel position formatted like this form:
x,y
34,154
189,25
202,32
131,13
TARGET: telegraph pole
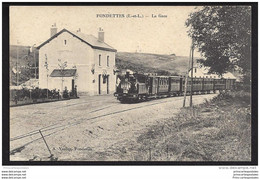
x,y
186,79
35,63
34,59
17,57
47,70
191,87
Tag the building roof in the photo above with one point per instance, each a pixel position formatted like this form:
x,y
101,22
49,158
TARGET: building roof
x,y
63,73
88,39
229,75
31,83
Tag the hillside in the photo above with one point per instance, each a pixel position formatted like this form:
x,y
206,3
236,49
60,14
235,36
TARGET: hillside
x,y
146,62
138,62
25,62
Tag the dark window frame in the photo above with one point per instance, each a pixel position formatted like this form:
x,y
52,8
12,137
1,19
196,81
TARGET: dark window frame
x,y
99,60
108,61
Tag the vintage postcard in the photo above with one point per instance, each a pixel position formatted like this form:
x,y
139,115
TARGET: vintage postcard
x,y
108,83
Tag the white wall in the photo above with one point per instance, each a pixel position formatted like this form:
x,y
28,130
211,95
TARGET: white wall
x,y
78,54
99,71
202,73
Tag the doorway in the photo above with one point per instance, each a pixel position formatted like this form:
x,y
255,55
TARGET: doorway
x,y
107,84
72,86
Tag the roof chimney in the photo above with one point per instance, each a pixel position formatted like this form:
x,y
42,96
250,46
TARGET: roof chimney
x,y
53,29
79,30
101,35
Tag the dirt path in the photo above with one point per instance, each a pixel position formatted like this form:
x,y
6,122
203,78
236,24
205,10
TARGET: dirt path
x,y
91,128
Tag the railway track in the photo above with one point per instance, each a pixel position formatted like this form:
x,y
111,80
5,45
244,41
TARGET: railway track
x,y
36,131
53,111
55,128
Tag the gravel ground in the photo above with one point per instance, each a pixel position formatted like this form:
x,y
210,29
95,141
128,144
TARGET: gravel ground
x,y
95,128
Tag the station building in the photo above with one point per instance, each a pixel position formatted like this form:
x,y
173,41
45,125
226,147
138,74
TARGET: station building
x,y
199,71
69,59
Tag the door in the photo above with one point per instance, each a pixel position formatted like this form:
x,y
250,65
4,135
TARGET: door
x,y
99,84
150,85
72,86
107,84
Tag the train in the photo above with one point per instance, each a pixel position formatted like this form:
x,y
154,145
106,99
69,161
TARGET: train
x,y
141,87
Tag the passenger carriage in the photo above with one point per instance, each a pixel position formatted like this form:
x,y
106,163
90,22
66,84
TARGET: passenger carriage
x,y
138,87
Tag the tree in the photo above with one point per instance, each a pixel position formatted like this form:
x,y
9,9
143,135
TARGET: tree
x,y
223,36
62,66
46,65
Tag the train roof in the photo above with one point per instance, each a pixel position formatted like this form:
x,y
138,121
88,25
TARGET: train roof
x,y
166,76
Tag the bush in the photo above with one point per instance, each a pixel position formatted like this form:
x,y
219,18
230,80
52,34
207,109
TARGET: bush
x,y
37,93
65,94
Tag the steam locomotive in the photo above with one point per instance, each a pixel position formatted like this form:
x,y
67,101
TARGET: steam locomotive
x,y
139,87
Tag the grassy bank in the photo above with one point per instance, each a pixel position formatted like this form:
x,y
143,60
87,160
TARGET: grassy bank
x,y
218,130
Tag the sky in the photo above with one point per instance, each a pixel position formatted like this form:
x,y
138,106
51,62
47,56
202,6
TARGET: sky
x,y
159,30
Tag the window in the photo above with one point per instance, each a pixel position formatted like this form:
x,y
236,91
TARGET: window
x,y
99,60
65,42
195,70
108,61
